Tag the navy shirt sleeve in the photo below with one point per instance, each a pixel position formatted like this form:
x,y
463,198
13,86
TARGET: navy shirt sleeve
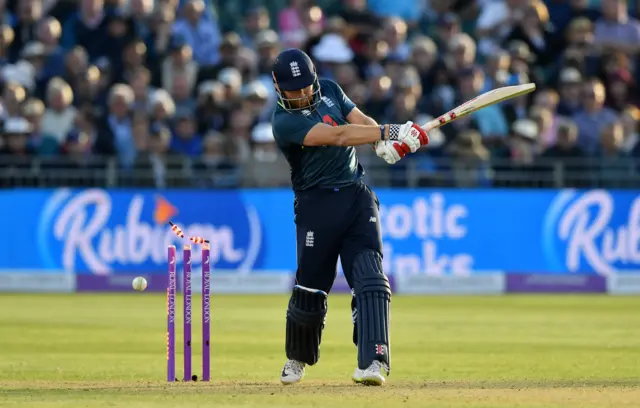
x,y
346,104
291,128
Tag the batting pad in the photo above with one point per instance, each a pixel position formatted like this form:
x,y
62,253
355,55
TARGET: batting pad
x,y
305,321
373,299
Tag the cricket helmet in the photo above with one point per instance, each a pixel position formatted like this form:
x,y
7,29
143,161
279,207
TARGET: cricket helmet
x,y
293,70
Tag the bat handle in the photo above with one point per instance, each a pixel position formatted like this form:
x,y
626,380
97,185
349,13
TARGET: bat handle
x,y
432,124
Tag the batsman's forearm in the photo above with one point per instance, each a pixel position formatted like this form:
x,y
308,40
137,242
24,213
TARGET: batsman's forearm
x,y
356,135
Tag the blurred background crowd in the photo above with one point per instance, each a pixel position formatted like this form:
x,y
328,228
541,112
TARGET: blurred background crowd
x,y
179,93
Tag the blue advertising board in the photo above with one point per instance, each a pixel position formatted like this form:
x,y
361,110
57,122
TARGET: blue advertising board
x,y
434,232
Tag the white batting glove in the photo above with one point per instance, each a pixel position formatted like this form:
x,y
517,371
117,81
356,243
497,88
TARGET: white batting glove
x,y
389,151
410,134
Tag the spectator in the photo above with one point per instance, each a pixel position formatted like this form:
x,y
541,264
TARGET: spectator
x,y
594,116
200,33
161,107
49,32
213,168
179,63
6,39
28,14
116,139
534,30
497,18
613,163
88,28
616,31
60,113
13,97
256,20
630,120
470,166
395,32
41,143
297,22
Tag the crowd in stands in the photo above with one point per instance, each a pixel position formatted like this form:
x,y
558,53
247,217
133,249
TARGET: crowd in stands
x,y
184,88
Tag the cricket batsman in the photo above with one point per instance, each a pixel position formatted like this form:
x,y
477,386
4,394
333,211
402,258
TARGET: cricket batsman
x,y
316,126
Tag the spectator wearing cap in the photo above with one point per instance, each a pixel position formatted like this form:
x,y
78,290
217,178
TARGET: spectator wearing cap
x,y
446,28
256,100
35,53
267,165
535,30
519,150
41,143
200,33
60,113
29,12
593,116
231,79
569,87
179,63
331,50
116,137
15,133
256,20
214,168
616,30
88,28
49,32
209,99
186,140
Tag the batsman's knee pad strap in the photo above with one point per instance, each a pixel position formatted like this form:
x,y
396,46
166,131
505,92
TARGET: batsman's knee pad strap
x,y
373,298
305,321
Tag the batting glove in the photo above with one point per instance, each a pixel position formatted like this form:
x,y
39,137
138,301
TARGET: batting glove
x,y
391,152
410,134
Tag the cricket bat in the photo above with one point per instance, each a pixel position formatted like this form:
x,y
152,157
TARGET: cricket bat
x,y
481,101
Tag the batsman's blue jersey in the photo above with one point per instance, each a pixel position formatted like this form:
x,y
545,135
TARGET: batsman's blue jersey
x,y
321,166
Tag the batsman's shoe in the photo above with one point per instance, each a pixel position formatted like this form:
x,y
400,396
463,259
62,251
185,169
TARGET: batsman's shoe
x,y
372,375
292,372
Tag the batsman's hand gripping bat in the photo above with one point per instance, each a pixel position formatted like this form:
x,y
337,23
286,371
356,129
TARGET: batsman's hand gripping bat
x,y
481,101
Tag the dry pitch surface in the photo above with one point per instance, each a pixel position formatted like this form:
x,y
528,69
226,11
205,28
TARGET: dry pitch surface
x,y
509,351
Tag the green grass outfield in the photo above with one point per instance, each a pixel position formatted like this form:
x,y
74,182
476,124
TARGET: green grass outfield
x,y
504,351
